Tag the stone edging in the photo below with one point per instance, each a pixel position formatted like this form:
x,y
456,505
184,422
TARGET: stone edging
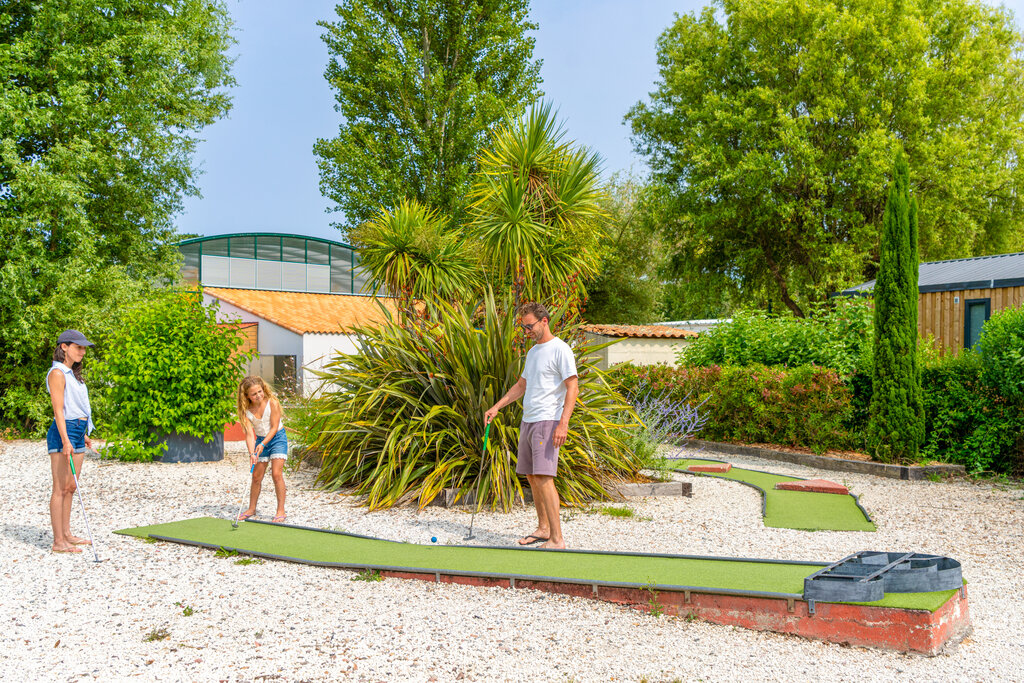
x,y
878,469
619,492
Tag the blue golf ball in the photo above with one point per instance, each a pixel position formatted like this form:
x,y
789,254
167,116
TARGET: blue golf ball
x,y
433,539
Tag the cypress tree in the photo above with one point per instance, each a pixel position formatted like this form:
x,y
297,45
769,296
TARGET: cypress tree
x,y
895,428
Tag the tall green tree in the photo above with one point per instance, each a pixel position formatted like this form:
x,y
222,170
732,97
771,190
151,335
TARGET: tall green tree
x,y
629,288
420,84
774,123
99,108
896,424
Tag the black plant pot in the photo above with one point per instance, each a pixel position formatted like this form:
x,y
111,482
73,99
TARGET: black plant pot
x,y
188,448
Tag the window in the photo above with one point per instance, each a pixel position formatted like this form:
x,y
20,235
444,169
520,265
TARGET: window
x,y
243,247
215,247
976,312
317,253
190,266
294,249
268,248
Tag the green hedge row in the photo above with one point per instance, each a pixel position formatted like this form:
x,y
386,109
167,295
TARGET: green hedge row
x,y
967,420
804,406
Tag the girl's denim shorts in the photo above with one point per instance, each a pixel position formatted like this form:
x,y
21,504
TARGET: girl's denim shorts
x,y
276,448
76,434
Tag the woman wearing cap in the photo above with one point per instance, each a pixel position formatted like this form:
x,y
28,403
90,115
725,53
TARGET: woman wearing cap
x,y
68,435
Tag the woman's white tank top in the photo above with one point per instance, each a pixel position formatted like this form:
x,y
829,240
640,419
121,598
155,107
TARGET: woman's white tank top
x,y
76,395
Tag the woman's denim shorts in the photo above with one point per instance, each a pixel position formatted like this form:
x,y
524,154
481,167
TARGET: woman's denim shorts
x,y
276,448
76,434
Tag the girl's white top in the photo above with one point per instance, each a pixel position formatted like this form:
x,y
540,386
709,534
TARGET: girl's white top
x,y
261,425
76,396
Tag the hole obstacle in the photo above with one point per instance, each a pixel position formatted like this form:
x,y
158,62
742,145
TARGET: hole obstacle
x,y
917,603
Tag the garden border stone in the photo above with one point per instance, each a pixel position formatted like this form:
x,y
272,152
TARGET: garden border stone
x,y
629,490
878,469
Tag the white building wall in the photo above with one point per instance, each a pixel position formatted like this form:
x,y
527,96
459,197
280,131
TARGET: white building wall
x,y
319,349
639,350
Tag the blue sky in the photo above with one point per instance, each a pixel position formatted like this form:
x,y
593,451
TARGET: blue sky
x,y
259,172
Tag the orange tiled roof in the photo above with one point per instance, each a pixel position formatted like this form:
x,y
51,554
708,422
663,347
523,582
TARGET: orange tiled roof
x,y
646,331
306,312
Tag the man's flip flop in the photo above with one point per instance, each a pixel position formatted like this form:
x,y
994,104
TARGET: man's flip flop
x,y
535,539
279,519
243,517
67,550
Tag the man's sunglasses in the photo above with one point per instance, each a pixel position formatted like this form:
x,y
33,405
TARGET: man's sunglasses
x,y
528,328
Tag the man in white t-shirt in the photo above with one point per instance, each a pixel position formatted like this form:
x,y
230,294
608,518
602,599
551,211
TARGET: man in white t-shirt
x,y
548,387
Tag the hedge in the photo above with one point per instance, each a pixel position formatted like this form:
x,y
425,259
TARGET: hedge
x,y
805,406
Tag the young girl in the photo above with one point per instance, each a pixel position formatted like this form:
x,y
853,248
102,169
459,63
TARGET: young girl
x,y
68,436
259,411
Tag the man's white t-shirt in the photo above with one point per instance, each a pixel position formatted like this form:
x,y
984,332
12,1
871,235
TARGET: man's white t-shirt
x,y
548,365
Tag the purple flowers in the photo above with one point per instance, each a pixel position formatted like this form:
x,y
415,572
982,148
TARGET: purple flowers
x,y
665,421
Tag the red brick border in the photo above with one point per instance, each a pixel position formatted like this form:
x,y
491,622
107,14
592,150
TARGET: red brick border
x,y
889,628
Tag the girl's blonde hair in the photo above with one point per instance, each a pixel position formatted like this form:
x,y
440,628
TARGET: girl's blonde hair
x,y
243,393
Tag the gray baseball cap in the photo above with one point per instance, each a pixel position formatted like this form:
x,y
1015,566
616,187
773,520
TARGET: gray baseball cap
x,y
73,337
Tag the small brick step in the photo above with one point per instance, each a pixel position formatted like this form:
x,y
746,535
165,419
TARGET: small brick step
x,y
716,468
815,485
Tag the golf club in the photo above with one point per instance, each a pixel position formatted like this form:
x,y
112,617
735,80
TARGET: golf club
x,y
487,431
234,522
78,488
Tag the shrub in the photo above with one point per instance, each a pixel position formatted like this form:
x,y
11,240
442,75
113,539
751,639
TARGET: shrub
x,y
169,368
835,336
805,406
1001,347
403,418
967,421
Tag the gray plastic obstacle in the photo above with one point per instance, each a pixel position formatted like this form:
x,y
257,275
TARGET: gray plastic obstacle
x,y
867,576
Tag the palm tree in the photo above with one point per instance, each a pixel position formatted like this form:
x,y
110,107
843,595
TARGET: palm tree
x,y
410,253
535,208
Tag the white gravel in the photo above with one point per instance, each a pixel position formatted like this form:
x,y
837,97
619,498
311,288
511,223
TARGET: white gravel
x,y
63,617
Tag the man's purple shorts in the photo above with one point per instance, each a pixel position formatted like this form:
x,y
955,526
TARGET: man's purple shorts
x,y
537,452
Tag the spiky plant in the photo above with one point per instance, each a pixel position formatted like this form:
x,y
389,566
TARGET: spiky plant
x,y
410,252
536,207
402,419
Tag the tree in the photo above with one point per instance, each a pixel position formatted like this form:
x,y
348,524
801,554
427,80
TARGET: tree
x,y
629,289
410,253
896,425
536,210
774,121
420,84
99,109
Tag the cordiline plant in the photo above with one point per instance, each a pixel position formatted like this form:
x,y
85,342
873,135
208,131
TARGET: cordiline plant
x,y
402,419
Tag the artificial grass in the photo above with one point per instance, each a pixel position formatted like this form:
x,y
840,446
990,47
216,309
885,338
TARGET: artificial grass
x,y
804,510
320,547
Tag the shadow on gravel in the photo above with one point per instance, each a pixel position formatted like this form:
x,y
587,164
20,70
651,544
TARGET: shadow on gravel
x,y
29,535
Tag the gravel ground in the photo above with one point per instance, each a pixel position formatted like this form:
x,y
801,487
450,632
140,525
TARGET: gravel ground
x,y
63,617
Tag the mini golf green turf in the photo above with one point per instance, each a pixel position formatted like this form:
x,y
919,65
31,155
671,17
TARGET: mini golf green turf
x,y
327,548
804,510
